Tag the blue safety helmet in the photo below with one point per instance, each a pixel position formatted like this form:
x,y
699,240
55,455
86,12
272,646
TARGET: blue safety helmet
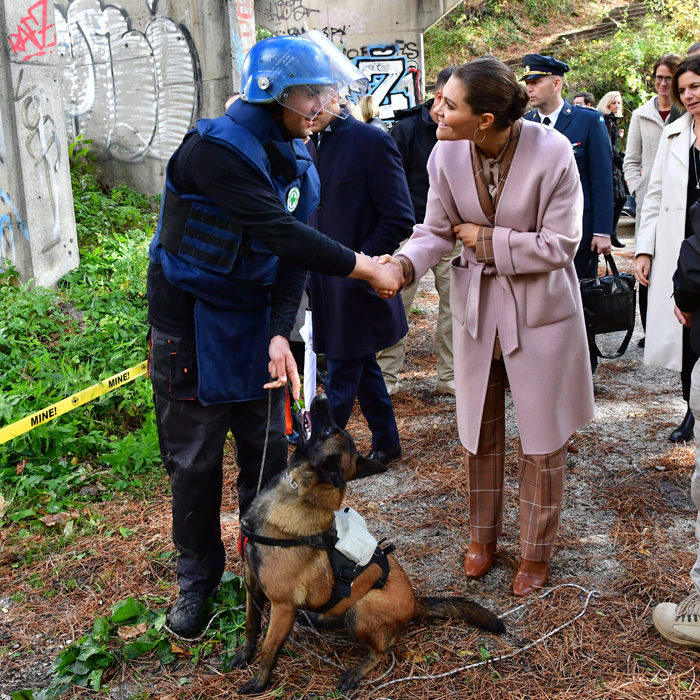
x,y
302,73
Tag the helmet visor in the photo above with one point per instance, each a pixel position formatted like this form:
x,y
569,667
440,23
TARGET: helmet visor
x,y
310,99
323,74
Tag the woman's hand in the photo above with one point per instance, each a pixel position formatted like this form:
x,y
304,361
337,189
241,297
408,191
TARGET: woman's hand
x,y
642,268
385,278
467,233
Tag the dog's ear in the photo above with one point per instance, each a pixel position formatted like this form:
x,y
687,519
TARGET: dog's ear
x,y
367,467
331,471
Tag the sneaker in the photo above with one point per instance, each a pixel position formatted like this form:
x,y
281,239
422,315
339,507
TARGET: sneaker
x,y
185,616
445,387
680,623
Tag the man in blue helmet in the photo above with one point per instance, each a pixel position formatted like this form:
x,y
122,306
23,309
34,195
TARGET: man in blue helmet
x,y
227,270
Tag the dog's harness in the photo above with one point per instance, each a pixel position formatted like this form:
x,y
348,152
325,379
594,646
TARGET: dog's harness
x,y
345,571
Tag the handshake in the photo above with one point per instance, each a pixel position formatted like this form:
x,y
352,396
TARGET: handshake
x,y
385,274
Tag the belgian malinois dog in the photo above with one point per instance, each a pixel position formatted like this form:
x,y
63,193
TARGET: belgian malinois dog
x,y
299,508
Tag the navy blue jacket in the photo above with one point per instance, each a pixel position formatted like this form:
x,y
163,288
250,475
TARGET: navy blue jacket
x,y
366,206
585,129
415,134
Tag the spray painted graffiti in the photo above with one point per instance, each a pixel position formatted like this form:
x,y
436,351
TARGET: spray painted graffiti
x,y
42,144
133,93
283,10
10,223
394,80
33,33
243,36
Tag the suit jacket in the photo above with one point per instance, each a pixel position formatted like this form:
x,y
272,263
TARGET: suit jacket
x,y
586,132
530,294
366,206
415,134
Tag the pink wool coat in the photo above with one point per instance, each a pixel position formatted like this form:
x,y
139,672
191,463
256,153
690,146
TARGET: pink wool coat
x,y
531,294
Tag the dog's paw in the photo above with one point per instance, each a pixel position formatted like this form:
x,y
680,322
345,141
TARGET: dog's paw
x,y
253,687
349,680
242,658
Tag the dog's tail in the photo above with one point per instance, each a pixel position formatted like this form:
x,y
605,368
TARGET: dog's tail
x,y
429,609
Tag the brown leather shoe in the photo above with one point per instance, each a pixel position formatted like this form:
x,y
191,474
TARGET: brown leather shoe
x,y
531,576
479,559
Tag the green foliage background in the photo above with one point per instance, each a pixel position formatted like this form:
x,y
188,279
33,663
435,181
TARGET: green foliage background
x,y
620,61
55,342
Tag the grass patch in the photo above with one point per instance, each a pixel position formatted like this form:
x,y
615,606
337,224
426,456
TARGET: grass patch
x,y
57,341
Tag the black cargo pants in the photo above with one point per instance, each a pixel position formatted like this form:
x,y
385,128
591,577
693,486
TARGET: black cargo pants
x,y
192,438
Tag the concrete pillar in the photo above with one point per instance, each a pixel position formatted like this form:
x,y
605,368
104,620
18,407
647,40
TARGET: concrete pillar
x,y
138,74
384,39
242,23
37,223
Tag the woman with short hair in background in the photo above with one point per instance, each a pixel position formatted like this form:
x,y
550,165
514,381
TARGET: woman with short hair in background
x,y
367,110
611,108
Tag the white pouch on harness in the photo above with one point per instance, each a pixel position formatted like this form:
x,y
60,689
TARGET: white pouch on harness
x,y
354,540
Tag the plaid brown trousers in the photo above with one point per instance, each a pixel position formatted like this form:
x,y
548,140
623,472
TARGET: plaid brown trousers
x,y
541,482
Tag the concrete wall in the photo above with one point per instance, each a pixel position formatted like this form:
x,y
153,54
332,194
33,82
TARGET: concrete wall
x,y
135,78
37,223
382,37
134,75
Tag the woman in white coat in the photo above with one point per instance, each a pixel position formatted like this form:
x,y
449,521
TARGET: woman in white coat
x,y
643,137
674,187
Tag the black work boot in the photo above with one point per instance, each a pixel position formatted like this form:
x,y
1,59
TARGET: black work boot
x,y
185,616
684,431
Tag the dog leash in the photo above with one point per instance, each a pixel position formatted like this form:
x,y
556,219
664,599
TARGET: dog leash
x,y
267,437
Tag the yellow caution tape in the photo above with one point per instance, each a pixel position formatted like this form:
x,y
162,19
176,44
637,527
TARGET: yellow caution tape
x,y
65,405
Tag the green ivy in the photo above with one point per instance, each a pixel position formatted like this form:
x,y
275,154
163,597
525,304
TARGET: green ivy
x,y
85,662
55,342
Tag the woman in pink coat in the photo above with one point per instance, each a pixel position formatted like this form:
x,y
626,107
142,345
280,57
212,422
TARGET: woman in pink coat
x,y
509,190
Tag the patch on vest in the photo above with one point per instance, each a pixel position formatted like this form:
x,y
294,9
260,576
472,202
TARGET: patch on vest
x,y
292,199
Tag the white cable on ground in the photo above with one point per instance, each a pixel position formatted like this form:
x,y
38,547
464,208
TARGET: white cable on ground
x,y
502,657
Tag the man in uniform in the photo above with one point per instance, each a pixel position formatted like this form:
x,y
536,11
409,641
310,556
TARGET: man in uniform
x,y
226,274
585,129
415,133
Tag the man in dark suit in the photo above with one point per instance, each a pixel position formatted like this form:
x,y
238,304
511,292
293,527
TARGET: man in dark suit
x,y
415,133
365,204
585,129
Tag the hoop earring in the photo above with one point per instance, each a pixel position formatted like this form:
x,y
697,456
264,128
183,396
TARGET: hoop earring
x,y
477,140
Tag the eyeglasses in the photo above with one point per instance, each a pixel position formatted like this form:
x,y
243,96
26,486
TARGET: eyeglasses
x,y
663,78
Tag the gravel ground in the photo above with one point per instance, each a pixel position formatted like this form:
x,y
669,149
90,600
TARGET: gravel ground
x,y
627,533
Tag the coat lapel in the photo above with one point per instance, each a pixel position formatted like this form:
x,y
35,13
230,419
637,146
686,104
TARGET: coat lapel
x,y
681,142
564,119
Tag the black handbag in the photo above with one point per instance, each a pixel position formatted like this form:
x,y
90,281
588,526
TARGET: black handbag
x,y
609,305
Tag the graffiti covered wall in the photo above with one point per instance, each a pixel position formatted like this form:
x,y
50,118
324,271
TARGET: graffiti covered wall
x,y
384,39
37,224
135,78
129,86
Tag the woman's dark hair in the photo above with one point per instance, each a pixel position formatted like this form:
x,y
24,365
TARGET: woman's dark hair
x,y
491,86
690,65
670,60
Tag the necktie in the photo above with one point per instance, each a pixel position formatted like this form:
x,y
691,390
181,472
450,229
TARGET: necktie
x,y
546,121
